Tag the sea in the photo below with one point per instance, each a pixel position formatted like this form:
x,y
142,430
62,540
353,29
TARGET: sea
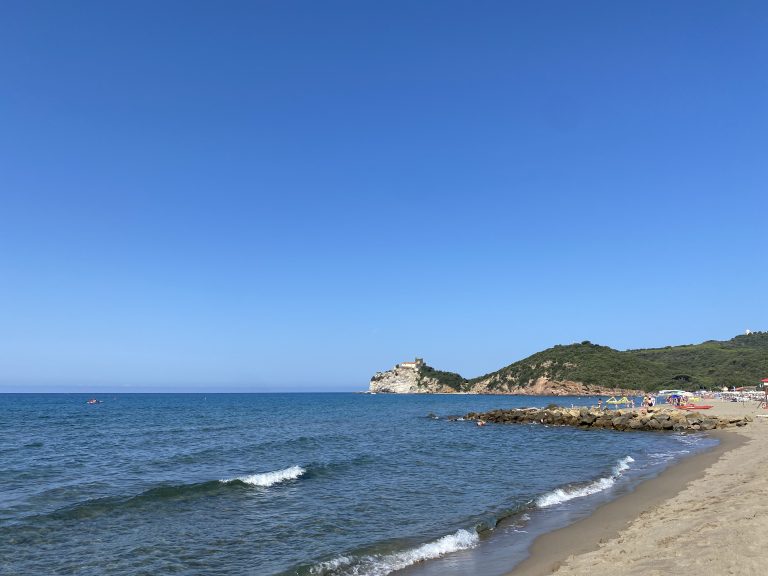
x,y
298,484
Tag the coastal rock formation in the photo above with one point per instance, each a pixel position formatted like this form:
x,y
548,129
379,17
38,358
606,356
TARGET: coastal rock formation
x,y
408,378
650,419
545,386
586,369
418,378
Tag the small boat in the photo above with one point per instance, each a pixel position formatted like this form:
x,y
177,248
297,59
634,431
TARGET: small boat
x,y
93,401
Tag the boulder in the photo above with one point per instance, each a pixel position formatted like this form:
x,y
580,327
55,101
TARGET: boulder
x,y
587,419
659,419
654,424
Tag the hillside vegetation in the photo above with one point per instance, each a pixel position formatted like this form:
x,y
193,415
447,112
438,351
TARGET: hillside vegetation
x,y
741,361
450,379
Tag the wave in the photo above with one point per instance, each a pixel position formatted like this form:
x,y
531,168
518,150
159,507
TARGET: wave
x,y
383,564
622,465
99,506
561,495
107,504
267,479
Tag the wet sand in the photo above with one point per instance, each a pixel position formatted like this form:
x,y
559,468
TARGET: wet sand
x,y
709,514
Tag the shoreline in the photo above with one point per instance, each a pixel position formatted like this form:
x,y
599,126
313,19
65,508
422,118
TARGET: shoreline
x,y
601,543
550,550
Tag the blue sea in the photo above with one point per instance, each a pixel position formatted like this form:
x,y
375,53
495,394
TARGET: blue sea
x,y
297,484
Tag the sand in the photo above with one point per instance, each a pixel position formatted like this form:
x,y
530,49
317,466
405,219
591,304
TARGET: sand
x,y
708,516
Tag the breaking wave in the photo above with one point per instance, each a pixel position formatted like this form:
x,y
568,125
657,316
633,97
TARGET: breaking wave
x,y
383,564
99,506
561,495
267,479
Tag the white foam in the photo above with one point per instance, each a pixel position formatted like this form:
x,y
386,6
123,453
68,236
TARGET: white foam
x,y
622,465
266,479
383,564
564,495
561,495
331,566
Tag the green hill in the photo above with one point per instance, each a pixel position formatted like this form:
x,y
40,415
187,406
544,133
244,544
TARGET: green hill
x,y
741,361
450,379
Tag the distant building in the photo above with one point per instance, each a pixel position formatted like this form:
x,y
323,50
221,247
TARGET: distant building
x,y
415,365
747,332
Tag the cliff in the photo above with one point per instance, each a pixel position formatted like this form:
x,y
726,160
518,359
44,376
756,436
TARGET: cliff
x,y
589,369
421,379
426,380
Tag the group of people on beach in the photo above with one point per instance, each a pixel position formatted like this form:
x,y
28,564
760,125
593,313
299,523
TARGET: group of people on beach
x,y
649,400
675,400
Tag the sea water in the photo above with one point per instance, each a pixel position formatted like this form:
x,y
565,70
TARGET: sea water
x,y
299,484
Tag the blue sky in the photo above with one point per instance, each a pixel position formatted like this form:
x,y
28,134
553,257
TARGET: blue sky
x,y
293,195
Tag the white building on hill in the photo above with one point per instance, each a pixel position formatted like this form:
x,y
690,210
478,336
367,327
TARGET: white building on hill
x,y
415,365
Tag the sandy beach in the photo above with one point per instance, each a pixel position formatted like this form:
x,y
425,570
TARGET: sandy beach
x,y
707,515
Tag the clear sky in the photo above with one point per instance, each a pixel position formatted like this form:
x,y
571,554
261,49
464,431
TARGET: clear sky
x,y
293,195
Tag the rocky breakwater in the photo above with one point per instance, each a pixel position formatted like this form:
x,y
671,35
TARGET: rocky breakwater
x,y
652,419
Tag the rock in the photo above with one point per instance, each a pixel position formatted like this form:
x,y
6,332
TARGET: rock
x,y
587,419
604,421
417,378
615,419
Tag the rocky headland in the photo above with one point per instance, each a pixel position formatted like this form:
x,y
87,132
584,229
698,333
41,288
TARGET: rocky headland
x,y
419,378
407,380
587,369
